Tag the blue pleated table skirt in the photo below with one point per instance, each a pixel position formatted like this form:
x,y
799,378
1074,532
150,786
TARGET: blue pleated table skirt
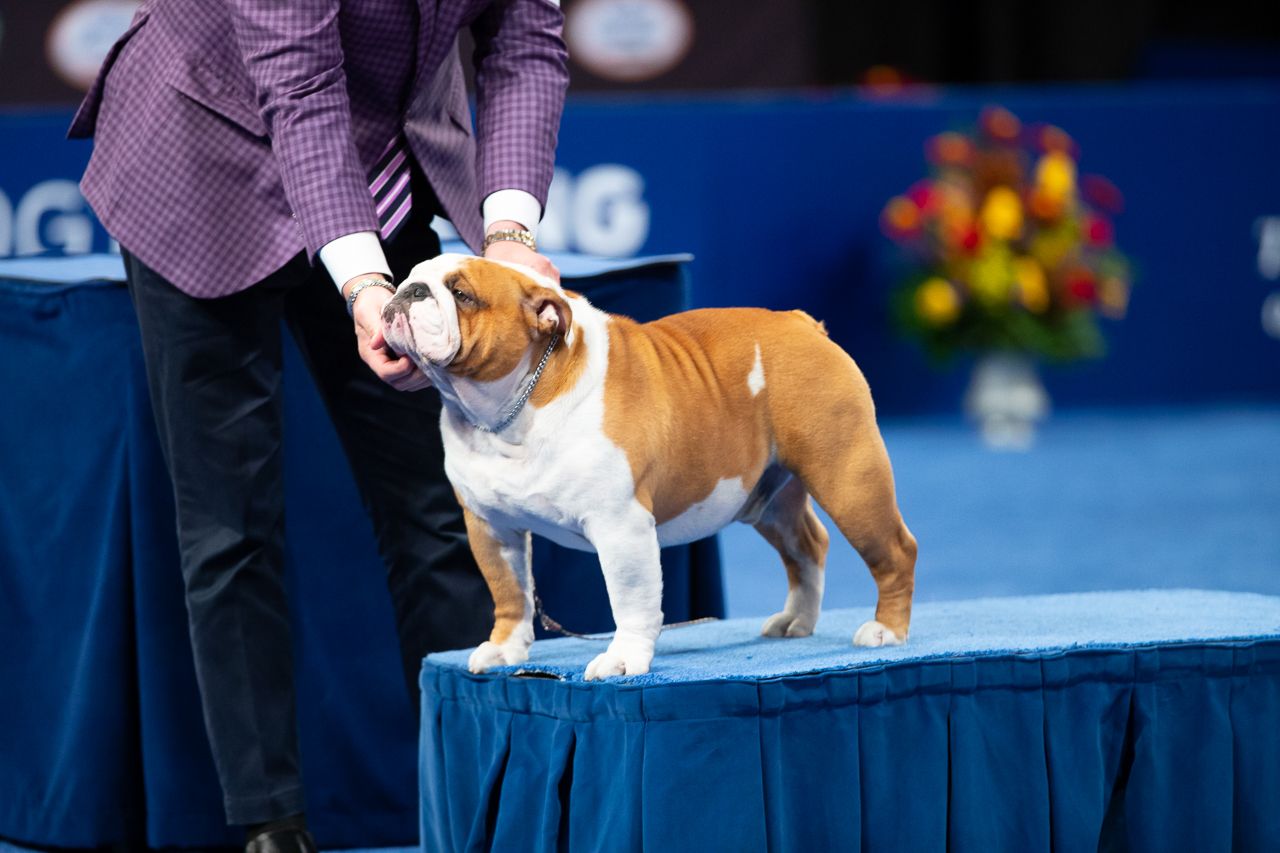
x,y
1145,720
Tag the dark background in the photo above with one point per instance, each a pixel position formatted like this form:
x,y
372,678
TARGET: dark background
x,y
823,43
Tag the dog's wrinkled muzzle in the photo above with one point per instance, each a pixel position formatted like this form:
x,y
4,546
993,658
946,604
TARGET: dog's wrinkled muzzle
x,y
422,325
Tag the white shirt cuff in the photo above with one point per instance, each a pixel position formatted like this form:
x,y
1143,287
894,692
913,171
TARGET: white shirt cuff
x,y
354,254
515,205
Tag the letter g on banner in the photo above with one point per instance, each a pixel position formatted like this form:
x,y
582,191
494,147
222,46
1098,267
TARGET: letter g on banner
x,y
52,215
600,212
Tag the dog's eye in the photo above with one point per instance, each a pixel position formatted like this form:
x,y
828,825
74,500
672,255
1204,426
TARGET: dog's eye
x,y
460,296
420,291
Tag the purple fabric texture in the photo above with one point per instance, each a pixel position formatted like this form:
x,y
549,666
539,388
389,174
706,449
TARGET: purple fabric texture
x,y
232,134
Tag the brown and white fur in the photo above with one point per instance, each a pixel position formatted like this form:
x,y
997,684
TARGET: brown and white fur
x,y
639,436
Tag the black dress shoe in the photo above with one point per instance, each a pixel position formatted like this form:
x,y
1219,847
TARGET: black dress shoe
x,y
282,841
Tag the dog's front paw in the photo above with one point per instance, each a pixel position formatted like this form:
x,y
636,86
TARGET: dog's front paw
x,y
605,666
874,633
786,624
619,662
488,655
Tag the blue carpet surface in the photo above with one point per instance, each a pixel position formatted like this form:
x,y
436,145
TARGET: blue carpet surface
x,y
1105,500
734,649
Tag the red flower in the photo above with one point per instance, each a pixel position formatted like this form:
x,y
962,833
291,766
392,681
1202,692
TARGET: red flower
x,y
900,218
922,194
1098,231
1081,285
949,149
1098,191
1047,137
998,123
970,240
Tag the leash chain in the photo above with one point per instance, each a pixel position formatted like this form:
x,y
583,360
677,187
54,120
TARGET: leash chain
x,y
549,624
524,396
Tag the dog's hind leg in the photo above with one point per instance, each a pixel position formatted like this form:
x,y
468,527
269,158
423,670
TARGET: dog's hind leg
x,y
791,526
854,484
845,467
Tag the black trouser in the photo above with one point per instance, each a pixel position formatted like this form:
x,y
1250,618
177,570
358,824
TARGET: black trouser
x,y
214,370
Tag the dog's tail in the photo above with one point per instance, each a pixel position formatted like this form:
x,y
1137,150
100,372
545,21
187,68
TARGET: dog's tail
x,y
817,324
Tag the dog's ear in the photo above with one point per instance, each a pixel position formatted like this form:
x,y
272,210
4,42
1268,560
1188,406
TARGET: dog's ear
x,y
550,312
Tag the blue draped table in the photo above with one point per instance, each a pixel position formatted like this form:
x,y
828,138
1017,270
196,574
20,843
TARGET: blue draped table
x,y
1145,721
101,736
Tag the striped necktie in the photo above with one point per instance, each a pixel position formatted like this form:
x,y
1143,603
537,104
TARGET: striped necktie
x,y
389,183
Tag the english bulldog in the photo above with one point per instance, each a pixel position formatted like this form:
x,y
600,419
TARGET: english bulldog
x,y
607,435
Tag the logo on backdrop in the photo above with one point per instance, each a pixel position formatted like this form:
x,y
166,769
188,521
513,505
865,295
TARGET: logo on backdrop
x,y
51,216
628,40
81,35
601,211
1268,231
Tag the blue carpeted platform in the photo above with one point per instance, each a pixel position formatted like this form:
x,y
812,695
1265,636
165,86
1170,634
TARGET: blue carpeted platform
x,y
734,649
1063,722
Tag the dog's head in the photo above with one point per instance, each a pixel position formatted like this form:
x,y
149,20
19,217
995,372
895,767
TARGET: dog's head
x,y
460,317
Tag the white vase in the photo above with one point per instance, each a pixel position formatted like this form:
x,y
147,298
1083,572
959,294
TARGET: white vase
x,y
1006,399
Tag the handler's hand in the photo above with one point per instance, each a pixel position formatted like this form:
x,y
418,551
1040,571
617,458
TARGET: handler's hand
x,y
519,253
397,371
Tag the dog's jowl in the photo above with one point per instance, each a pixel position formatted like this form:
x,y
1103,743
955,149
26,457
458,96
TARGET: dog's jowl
x,y
611,436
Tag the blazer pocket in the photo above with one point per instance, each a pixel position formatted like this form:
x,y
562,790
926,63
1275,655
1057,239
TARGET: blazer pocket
x,y
461,117
86,117
208,88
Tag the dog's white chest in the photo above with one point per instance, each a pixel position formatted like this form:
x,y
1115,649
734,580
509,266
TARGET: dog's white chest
x,y
549,484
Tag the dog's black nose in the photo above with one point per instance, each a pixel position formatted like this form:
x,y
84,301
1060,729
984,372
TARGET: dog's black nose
x,y
392,308
406,296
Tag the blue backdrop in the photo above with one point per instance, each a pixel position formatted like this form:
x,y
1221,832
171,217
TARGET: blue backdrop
x,y
779,200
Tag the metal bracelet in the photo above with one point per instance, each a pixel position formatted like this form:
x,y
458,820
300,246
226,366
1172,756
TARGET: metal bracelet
x,y
370,281
524,237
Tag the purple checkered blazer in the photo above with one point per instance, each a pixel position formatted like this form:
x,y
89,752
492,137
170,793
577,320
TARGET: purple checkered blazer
x,y
231,134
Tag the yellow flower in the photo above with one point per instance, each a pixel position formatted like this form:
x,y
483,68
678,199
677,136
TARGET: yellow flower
x,y
1051,247
937,302
1056,176
1002,214
1033,289
991,275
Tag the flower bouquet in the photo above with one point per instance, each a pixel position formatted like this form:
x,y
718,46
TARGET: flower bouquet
x,y
1011,257
1007,250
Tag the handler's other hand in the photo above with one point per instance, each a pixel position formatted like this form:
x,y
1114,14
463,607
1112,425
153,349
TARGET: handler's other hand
x,y
519,253
397,371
